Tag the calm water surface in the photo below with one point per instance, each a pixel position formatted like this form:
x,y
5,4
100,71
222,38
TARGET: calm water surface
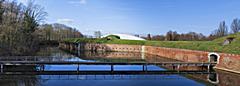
x,y
220,78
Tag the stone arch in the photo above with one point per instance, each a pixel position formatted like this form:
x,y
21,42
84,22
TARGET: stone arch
x,y
213,57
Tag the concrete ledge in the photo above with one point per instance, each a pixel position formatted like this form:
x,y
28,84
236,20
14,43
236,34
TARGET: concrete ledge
x,y
227,70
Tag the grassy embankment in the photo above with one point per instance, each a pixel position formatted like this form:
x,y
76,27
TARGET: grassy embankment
x,y
211,46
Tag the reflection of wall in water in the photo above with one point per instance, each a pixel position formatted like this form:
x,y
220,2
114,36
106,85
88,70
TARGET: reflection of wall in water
x,y
183,68
23,80
228,79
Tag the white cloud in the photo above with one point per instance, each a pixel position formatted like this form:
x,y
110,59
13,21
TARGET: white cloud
x,y
65,21
78,2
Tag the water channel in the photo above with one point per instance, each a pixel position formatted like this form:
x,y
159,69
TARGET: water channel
x,y
65,75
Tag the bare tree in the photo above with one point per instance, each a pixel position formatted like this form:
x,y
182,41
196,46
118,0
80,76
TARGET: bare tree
x,y
18,26
149,37
1,10
172,36
222,30
158,37
235,26
58,32
169,36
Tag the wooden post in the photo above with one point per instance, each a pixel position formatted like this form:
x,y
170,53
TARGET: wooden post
x,y
112,68
178,67
209,68
79,46
43,67
1,67
173,67
143,67
78,68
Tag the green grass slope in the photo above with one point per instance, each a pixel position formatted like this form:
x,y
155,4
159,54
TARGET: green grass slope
x,y
233,47
211,46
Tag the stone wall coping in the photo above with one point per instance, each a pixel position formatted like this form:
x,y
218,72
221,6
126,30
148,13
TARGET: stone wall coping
x,y
225,54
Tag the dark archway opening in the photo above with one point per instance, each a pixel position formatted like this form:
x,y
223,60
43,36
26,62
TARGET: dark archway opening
x,y
228,40
213,58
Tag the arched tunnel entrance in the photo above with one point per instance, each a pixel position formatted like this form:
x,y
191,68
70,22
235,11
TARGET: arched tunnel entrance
x,y
213,57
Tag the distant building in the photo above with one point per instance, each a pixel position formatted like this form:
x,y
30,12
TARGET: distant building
x,y
125,36
97,34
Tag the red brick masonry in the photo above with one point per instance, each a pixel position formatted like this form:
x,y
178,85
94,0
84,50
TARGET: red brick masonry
x,y
228,62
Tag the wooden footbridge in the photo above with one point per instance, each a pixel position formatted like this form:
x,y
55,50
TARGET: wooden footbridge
x,y
41,62
111,64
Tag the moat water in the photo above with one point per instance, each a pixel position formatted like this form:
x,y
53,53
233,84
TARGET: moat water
x,y
192,76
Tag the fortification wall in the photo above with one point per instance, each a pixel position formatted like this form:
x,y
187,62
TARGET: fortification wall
x,y
228,62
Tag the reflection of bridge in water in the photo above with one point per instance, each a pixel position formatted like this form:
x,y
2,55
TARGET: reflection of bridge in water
x,y
94,77
105,75
130,72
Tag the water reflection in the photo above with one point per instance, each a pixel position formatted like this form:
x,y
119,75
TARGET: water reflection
x,y
62,75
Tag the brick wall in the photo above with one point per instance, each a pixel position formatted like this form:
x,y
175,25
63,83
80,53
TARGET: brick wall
x,y
229,62
178,54
114,47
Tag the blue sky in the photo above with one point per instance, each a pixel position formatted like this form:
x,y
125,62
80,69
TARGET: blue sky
x,y
141,16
